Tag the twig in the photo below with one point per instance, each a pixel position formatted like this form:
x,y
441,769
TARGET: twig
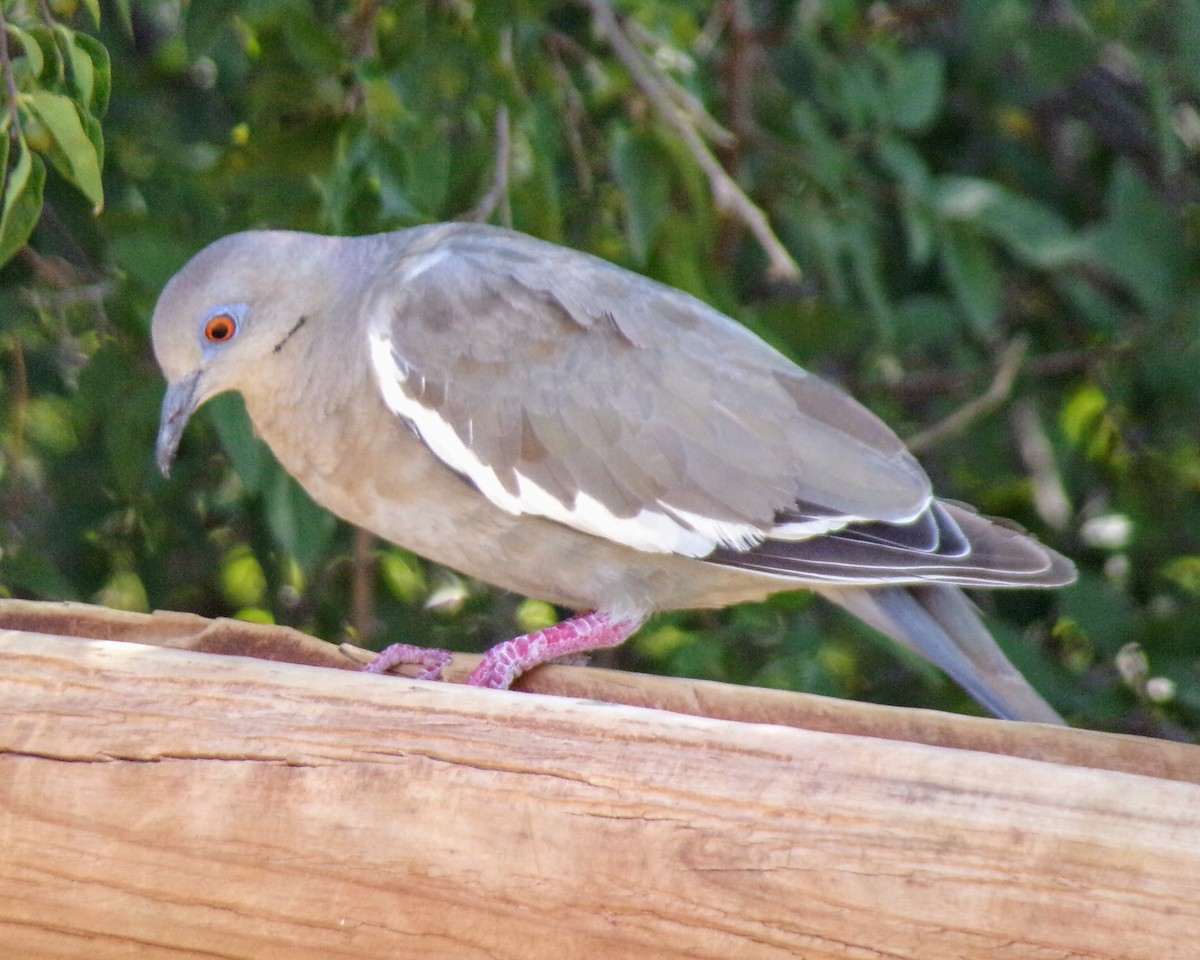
x,y
684,99
497,195
923,384
6,66
728,196
576,117
44,11
64,298
20,398
710,33
741,61
996,393
1033,447
362,585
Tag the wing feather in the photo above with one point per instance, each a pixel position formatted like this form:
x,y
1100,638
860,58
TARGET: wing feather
x,y
526,366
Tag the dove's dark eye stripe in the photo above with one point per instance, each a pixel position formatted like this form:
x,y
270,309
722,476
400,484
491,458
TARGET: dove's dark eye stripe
x,y
291,333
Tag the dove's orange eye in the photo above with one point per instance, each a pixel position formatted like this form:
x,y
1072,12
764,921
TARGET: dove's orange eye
x,y
219,328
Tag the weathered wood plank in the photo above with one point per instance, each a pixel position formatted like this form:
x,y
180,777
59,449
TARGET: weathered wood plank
x,y
171,803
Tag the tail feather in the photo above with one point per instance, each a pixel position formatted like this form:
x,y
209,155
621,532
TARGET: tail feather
x,y
938,622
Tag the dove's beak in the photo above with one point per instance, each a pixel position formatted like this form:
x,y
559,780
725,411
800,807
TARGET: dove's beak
x,y
178,406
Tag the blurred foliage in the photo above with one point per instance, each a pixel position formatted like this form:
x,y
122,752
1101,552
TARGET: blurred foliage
x,y
949,176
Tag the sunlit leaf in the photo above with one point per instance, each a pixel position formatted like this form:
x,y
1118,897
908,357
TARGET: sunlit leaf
x,y
124,591
61,118
93,7
403,575
31,50
242,579
1184,572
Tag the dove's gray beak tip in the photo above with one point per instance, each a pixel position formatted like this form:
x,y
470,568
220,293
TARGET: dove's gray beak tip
x,y
163,460
178,406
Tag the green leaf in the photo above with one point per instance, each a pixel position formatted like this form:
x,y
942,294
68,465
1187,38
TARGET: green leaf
x,y
93,7
908,168
61,118
243,582
638,164
964,198
533,615
22,201
1185,573
124,591
30,49
1093,303
36,574
125,15
79,51
1056,53
208,24
828,162
403,575
1141,242
1031,231
301,528
973,275
926,320
428,164
83,71
249,455
992,27
1082,412
1106,614
101,71
914,96
863,253
1034,233
1187,41
388,178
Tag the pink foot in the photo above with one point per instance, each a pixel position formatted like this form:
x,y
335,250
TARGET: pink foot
x,y
400,653
589,631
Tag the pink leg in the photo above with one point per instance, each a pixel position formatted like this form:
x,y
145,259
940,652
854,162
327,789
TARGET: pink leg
x,y
398,653
589,631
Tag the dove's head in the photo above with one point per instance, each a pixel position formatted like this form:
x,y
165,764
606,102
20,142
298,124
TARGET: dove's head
x,y
227,312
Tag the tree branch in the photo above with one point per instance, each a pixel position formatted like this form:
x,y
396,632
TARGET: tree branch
x,y
687,102
1033,447
362,589
997,392
728,196
497,195
576,114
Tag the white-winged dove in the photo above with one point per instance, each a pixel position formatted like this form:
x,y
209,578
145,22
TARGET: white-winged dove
x,y
548,422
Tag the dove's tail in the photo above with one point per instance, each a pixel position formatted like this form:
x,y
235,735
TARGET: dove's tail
x,y
940,623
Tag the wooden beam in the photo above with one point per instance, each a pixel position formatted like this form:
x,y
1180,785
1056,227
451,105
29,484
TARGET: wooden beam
x,y
159,802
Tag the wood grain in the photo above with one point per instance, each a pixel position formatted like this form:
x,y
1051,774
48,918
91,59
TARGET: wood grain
x,y
170,803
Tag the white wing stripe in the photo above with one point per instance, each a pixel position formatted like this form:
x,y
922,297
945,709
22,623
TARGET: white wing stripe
x,y
669,530
810,528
